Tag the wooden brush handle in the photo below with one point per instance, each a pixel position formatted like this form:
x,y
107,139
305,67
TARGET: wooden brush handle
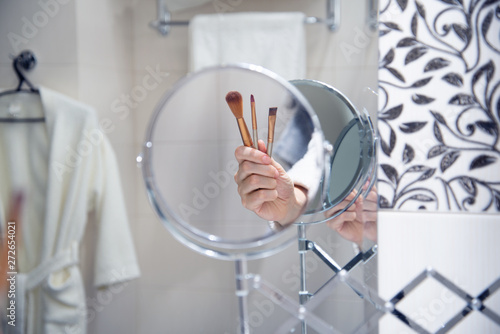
x,y
245,134
270,134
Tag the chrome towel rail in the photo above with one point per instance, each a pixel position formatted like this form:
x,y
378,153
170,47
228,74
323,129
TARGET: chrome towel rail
x,y
163,22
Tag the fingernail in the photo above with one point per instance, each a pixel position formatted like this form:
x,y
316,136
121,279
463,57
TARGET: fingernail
x,y
266,159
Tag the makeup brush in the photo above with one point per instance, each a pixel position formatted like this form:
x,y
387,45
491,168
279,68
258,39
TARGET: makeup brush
x,y
235,102
254,123
270,130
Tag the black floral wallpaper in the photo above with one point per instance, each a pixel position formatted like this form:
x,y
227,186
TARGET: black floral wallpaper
x,y
439,105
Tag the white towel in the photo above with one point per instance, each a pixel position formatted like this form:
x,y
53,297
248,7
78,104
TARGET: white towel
x,y
177,5
275,41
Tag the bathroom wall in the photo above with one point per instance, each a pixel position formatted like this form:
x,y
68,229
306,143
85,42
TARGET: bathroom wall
x,y
439,161
185,292
102,53
84,50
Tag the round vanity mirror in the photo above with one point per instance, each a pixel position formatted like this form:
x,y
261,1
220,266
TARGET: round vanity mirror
x,y
349,151
188,160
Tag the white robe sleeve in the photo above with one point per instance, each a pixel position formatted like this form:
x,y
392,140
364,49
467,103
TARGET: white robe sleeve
x,y
307,172
115,253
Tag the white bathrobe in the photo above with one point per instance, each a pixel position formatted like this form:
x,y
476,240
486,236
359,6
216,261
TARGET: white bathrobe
x,y
67,169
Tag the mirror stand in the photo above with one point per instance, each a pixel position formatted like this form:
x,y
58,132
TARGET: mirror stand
x,y
203,213
241,276
305,245
247,282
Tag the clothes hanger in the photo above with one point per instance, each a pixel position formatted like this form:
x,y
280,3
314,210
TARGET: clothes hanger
x,y
27,61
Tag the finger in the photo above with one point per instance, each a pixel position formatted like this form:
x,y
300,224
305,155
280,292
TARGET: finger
x,y
340,207
340,220
248,168
262,146
359,201
276,165
351,207
372,196
370,206
369,216
243,153
255,182
255,199
351,196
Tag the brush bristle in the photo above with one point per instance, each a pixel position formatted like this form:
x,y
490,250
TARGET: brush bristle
x,y
235,102
273,111
251,98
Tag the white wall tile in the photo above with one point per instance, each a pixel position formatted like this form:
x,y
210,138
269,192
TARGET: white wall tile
x,y
167,263
461,247
186,311
30,25
107,315
146,108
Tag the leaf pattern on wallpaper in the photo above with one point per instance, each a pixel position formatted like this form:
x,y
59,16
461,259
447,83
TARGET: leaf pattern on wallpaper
x,y
436,64
386,61
422,99
439,125
490,128
408,154
415,53
462,99
421,82
437,133
486,26
405,42
472,187
452,2
405,187
448,160
436,151
482,161
391,25
414,24
402,4
412,127
454,79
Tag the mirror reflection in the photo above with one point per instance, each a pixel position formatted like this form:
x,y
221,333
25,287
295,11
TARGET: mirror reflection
x,y
359,219
347,199
280,189
200,149
347,196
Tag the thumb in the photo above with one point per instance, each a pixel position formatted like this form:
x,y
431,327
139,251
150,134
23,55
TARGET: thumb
x,y
279,168
285,182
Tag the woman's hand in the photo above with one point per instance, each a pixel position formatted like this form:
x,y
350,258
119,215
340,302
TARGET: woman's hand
x,y
359,220
265,188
